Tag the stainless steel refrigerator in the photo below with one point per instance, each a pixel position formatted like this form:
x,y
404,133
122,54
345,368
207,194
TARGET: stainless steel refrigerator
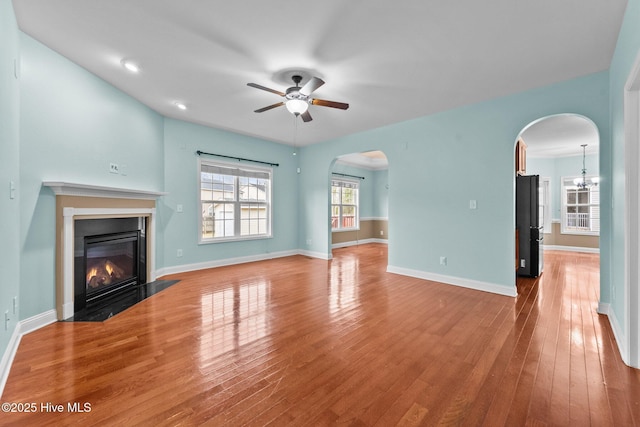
x,y
529,223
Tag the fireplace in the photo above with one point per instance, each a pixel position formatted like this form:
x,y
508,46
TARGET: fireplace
x,y
109,259
77,203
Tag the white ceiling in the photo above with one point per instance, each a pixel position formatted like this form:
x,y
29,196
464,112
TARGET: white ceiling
x,y
373,160
391,61
561,136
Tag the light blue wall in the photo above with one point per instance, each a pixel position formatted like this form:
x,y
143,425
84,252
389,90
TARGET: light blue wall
x,y
381,189
180,230
9,171
72,125
612,167
558,168
437,164
367,189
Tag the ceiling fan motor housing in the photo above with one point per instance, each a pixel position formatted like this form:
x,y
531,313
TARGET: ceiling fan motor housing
x,y
294,91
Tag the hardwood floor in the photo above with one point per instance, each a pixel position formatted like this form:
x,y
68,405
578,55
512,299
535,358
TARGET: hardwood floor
x,y
300,341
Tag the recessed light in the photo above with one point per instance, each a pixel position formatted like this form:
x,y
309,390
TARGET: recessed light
x,y
134,68
180,105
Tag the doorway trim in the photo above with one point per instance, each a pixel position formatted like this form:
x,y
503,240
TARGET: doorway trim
x,y
632,216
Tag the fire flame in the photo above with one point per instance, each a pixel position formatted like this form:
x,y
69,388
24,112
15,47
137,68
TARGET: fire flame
x,y
91,273
104,272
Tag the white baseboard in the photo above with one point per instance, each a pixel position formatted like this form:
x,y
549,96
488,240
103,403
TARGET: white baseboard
x,y
7,357
358,242
312,254
456,281
38,321
222,262
605,308
22,328
571,249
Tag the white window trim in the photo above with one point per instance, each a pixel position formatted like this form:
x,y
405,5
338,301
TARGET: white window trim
x,y
546,188
563,210
207,241
357,205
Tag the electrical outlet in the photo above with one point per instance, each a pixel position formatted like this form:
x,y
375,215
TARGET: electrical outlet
x,y
443,260
382,232
6,320
473,204
179,208
179,253
523,263
114,168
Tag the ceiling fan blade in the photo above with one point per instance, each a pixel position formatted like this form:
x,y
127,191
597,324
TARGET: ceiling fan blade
x,y
257,86
306,117
311,85
263,109
332,104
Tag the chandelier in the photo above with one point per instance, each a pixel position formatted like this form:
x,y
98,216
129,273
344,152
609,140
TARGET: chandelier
x,y
585,183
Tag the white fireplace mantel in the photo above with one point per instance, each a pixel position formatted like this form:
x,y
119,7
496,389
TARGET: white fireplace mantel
x,y
74,189
106,207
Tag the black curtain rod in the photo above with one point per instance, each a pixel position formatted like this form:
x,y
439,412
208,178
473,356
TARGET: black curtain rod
x,y
199,153
344,174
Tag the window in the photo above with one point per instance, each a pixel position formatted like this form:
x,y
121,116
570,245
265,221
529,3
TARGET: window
x,y
580,209
544,201
235,202
344,205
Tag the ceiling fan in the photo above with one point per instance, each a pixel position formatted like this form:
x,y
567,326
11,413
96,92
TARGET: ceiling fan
x,y
297,99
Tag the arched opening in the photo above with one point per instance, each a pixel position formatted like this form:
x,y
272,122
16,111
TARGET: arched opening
x,y
359,195
559,206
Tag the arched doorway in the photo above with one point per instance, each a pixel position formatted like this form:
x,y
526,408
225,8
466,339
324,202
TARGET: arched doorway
x,y
359,194
563,152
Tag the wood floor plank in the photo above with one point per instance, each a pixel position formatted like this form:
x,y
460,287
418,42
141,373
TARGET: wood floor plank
x,y
301,341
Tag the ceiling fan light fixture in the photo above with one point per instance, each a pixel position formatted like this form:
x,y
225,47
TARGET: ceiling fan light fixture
x,y
297,106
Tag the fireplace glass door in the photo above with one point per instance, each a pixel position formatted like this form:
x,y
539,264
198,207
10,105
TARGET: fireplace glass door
x,y
111,262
